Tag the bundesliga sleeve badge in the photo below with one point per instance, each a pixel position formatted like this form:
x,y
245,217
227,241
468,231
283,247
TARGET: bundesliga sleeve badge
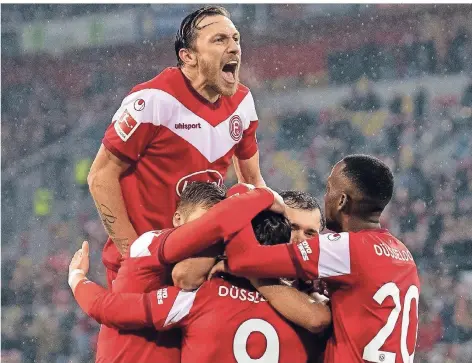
x,y
126,125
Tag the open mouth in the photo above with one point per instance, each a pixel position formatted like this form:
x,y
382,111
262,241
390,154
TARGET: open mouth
x,y
229,71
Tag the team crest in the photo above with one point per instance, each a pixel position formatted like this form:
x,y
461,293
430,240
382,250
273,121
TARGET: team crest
x,y
236,128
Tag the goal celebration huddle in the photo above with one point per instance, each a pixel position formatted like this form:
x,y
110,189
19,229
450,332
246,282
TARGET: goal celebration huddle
x,y
202,273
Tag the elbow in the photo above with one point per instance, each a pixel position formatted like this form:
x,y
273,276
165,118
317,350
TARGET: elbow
x,y
92,179
186,281
319,321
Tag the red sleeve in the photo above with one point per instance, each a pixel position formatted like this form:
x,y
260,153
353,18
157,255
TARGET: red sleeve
x,y
247,147
171,307
164,309
222,220
113,309
246,257
134,126
326,256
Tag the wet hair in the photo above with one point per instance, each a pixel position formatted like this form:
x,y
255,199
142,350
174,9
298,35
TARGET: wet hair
x,y
271,228
372,177
188,28
305,201
202,194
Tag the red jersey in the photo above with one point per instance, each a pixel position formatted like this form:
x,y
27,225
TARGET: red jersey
x,y
172,136
146,269
374,288
220,322
139,273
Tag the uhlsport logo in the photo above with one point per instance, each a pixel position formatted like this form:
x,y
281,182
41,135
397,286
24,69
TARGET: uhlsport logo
x,y
182,126
236,128
209,176
334,237
139,104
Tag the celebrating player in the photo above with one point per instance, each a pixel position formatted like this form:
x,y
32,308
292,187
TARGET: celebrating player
x,y
203,218
372,275
217,320
304,213
186,124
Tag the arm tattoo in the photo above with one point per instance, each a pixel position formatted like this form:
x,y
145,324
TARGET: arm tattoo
x,y
122,244
107,218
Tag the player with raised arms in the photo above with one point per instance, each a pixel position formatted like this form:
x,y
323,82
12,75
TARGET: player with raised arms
x,y
186,124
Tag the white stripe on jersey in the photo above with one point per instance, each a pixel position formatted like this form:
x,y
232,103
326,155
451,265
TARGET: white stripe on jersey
x,y
163,109
335,258
182,305
140,247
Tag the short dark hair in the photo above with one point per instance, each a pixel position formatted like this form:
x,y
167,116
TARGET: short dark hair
x,y
372,177
202,194
271,228
302,200
189,26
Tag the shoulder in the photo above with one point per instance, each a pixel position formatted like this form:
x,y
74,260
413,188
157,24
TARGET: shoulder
x,y
159,89
162,81
329,238
148,242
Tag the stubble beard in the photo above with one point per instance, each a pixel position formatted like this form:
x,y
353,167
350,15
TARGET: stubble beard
x,y
214,80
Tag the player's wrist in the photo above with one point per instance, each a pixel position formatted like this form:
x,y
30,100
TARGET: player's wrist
x,y
267,193
75,276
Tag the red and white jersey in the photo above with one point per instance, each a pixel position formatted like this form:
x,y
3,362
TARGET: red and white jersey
x,y
221,322
172,136
374,288
139,273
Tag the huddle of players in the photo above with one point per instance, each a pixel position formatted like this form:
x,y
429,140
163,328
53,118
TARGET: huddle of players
x,y
218,318
150,173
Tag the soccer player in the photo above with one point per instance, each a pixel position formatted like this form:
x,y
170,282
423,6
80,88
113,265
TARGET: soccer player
x,y
225,320
184,125
202,219
374,284
304,213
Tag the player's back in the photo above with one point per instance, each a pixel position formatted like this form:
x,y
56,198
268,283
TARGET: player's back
x,y
375,306
229,323
140,272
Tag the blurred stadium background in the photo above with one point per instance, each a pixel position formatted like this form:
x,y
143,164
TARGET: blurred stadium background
x,y
389,80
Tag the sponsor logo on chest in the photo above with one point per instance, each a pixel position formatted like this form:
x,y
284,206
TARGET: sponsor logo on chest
x,y
212,141
209,176
186,126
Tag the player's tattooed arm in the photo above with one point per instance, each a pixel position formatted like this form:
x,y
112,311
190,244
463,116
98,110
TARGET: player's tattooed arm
x,y
107,217
104,184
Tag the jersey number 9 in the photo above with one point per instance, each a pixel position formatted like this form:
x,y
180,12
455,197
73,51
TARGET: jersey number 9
x,y
271,354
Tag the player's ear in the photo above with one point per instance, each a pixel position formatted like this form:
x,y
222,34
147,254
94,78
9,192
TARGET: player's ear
x,y
343,203
188,57
177,219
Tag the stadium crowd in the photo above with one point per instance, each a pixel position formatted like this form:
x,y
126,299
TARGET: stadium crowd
x,y
430,210
426,141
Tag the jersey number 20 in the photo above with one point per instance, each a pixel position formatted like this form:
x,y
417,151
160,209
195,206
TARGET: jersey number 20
x,y
271,354
372,352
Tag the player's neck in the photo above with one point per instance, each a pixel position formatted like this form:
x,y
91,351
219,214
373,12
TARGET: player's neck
x,y
198,83
354,223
